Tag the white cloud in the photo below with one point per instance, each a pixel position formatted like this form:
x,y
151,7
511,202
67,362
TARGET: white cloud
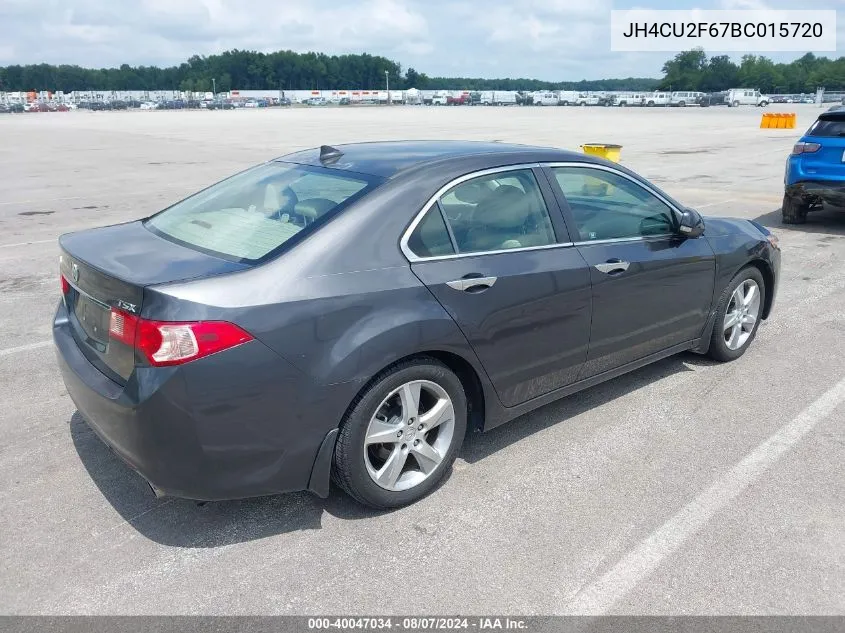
x,y
549,39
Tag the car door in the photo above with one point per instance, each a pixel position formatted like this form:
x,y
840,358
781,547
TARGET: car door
x,y
494,251
651,287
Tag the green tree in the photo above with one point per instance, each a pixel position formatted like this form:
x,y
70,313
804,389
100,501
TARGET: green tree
x,y
685,71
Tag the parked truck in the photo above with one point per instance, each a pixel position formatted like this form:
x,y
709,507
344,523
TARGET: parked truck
x,y
440,98
658,98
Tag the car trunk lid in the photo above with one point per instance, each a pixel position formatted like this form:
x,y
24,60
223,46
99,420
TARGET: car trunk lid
x,y
107,269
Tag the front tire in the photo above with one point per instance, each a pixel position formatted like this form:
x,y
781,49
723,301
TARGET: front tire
x,y
793,211
738,315
402,435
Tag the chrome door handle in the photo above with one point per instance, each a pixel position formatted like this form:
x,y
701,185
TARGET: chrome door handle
x,y
613,267
471,282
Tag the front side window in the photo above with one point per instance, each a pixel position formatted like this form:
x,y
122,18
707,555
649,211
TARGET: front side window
x,y
607,206
250,215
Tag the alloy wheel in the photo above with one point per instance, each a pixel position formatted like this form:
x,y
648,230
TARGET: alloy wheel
x,y
742,314
409,435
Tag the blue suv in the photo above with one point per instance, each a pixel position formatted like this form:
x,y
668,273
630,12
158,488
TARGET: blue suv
x,y
815,171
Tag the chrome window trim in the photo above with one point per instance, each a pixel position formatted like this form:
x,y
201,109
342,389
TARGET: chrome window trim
x,y
412,257
616,240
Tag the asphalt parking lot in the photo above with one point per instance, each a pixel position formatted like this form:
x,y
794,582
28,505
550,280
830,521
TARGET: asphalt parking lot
x,y
686,487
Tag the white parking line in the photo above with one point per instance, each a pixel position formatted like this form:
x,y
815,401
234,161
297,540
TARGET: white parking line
x,y
27,243
714,204
600,596
24,348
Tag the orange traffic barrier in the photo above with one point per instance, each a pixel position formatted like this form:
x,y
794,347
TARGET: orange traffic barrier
x,y
778,120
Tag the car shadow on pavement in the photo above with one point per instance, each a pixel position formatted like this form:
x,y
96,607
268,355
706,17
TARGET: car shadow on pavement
x,y
189,524
831,222
185,523
480,445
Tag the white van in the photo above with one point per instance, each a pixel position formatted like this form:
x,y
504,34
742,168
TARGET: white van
x,y
629,99
545,99
568,97
682,99
746,96
657,98
504,97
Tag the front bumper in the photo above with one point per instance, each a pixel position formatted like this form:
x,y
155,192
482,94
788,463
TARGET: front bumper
x,y
238,424
815,192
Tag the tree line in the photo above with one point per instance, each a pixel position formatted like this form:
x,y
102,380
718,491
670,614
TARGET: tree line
x,y
282,70
287,70
693,70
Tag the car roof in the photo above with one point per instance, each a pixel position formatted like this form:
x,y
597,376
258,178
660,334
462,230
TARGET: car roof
x,y
388,158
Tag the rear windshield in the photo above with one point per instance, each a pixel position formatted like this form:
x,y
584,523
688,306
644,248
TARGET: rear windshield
x,y
248,217
834,126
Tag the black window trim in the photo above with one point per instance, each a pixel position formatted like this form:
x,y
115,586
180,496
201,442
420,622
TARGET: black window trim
x,y
435,199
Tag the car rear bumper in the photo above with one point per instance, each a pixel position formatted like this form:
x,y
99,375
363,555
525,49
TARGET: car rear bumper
x,y
818,191
238,424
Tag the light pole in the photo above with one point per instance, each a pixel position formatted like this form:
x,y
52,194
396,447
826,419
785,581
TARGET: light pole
x,y
387,85
213,87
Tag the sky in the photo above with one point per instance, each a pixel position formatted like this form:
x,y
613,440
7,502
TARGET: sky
x,y
556,40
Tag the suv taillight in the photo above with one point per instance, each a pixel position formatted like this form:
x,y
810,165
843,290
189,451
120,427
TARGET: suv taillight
x,y
166,343
805,148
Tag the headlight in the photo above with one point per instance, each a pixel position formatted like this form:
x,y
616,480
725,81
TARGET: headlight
x,y
773,240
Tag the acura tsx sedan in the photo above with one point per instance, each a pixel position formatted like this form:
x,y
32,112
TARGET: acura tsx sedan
x,y
349,313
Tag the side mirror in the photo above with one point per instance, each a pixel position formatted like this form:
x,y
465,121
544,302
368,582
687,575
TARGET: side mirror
x,y
692,224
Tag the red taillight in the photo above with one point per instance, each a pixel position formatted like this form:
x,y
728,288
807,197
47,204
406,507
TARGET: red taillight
x,y
805,148
65,285
172,343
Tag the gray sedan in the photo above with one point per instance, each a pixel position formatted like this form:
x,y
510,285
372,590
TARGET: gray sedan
x,y
349,313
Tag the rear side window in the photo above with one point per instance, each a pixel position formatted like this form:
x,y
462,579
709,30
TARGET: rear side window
x,y
494,212
431,237
828,127
249,216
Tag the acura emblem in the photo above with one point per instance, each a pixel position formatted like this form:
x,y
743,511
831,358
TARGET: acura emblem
x,y
74,272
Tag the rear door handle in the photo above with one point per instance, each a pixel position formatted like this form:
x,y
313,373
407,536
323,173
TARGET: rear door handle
x,y
472,283
613,266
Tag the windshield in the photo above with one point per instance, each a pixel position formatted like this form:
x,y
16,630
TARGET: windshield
x,y
249,216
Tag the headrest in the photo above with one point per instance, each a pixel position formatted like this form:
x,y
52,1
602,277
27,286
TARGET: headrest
x,y
313,208
506,207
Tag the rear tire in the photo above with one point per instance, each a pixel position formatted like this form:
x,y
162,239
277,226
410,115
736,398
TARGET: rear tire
x,y
419,408
793,211
733,332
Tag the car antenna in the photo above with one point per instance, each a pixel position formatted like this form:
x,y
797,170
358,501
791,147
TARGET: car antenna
x,y
329,154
